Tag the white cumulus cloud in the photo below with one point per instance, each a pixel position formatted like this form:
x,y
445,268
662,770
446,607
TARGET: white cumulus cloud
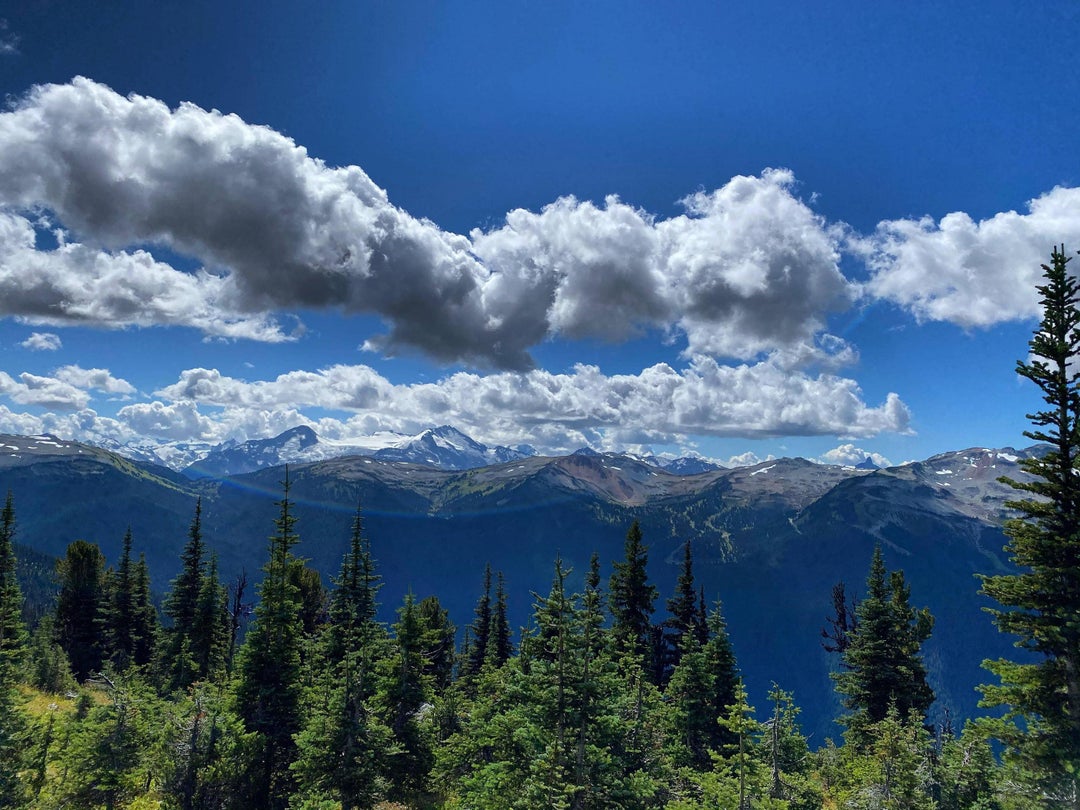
x,y
971,273
849,455
42,342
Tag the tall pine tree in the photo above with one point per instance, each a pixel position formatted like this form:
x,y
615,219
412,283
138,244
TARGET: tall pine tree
x,y
12,629
1041,604
342,745
268,690
82,593
12,642
883,666
180,607
631,597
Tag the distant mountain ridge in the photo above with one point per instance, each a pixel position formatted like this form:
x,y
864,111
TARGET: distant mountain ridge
x,y
443,447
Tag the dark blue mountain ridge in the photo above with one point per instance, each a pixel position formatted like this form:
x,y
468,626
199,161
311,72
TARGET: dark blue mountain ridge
x,y
769,540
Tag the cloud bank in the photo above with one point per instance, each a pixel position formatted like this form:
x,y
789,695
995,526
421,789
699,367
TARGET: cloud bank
x,y
748,269
562,411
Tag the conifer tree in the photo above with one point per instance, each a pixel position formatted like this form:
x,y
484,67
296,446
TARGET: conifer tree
x,y
82,592
118,614
209,627
720,662
884,668
439,634
631,600
144,616
479,631
342,744
180,607
837,636
683,609
268,690
499,645
1040,604
12,643
402,692
12,629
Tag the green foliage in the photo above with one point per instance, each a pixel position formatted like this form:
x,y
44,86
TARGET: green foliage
x,y
178,652
883,666
1040,604
438,635
967,773
631,597
110,753
47,666
342,745
475,653
268,690
12,628
683,610
401,701
82,593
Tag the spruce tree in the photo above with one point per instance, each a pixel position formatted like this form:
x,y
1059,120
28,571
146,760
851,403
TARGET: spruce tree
x,y
12,643
342,745
439,634
268,689
479,631
118,615
12,629
1041,603
721,664
631,598
210,627
499,645
82,593
180,607
883,666
144,615
684,611
403,689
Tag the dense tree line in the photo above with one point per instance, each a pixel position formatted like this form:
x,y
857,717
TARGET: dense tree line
x,y
599,703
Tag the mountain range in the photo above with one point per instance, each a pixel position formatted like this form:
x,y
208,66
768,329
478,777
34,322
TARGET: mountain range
x,y
443,447
769,540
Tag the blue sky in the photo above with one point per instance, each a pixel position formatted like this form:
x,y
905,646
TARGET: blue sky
x,y
729,229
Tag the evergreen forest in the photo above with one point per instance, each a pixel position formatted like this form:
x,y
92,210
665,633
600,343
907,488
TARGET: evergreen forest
x,y
288,694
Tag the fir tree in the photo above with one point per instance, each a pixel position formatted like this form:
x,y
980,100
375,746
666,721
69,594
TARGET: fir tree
x,y
12,629
144,616
479,631
341,747
118,615
724,676
180,607
403,691
12,642
631,600
268,690
499,645
1040,604
683,608
884,668
210,627
82,592
439,634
